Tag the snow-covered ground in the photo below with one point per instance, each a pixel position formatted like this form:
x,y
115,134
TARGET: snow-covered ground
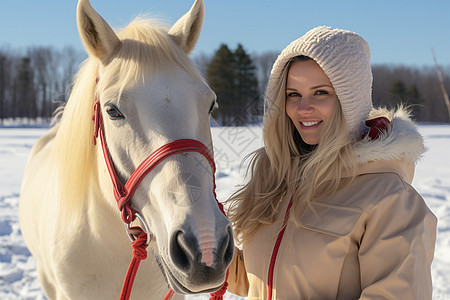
x,y
18,278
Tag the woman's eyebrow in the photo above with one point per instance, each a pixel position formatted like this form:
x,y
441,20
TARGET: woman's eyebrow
x,y
312,88
322,85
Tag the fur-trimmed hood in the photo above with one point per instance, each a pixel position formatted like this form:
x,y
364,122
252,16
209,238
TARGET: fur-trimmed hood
x,y
396,150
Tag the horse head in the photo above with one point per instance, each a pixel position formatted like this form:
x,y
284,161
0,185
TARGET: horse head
x,y
150,94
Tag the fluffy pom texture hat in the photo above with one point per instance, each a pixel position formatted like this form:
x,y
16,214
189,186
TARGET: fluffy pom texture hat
x,y
345,58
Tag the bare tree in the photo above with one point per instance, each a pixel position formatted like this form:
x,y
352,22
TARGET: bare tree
x,y
263,63
441,82
40,61
2,87
202,61
422,91
69,59
6,81
32,82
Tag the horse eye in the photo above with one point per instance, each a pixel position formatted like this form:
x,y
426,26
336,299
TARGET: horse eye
x,y
213,106
113,112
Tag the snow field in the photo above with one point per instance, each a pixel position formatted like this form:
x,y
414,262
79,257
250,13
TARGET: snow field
x,y
18,276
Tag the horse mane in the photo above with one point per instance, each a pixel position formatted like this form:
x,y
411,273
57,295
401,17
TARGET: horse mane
x,y
146,48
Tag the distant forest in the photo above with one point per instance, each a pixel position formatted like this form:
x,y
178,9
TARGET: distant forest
x,y
34,81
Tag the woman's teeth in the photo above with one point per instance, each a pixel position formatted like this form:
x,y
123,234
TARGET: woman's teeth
x,y
308,124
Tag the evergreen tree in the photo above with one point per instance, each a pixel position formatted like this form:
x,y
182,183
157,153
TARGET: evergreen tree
x,y
408,97
24,101
246,86
232,76
414,96
221,75
398,93
415,102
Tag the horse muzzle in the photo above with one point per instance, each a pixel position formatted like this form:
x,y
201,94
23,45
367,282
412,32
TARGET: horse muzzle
x,y
199,263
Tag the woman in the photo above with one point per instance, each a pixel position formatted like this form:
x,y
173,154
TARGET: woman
x,y
335,174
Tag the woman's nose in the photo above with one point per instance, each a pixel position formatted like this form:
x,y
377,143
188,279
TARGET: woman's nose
x,y
305,106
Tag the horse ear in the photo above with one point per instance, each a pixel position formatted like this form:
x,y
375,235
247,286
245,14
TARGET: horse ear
x,y
186,30
98,37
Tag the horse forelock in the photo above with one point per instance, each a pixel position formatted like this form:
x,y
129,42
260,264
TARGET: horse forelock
x,y
146,49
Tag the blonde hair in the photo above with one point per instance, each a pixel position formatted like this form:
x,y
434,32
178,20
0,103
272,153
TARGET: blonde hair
x,y
279,170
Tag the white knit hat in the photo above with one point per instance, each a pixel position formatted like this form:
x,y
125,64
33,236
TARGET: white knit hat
x,y
345,58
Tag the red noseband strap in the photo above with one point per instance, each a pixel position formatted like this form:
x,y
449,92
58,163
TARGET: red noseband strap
x,y
124,193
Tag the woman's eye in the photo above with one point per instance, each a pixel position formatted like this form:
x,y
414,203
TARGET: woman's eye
x,y
113,112
294,94
322,93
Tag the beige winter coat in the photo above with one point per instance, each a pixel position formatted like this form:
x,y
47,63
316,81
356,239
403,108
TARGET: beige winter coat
x,y
372,240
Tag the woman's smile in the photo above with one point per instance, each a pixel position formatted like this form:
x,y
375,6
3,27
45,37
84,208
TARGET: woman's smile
x,y
309,124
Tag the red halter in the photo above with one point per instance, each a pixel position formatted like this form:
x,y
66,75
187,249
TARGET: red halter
x,y
124,193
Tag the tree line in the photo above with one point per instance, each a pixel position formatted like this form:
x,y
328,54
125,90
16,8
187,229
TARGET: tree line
x,y
35,81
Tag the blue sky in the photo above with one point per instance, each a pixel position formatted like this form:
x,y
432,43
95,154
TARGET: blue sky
x,y
398,31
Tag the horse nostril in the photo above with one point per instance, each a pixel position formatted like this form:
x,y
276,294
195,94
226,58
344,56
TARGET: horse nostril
x,y
178,252
226,247
229,246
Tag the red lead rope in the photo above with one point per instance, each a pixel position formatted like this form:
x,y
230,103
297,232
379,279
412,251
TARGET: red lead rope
x,y
124,193
139,253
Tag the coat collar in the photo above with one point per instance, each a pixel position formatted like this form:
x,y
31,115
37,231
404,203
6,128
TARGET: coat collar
x,y
397,148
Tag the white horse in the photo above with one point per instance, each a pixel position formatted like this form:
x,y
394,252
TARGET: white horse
x,y
150,94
